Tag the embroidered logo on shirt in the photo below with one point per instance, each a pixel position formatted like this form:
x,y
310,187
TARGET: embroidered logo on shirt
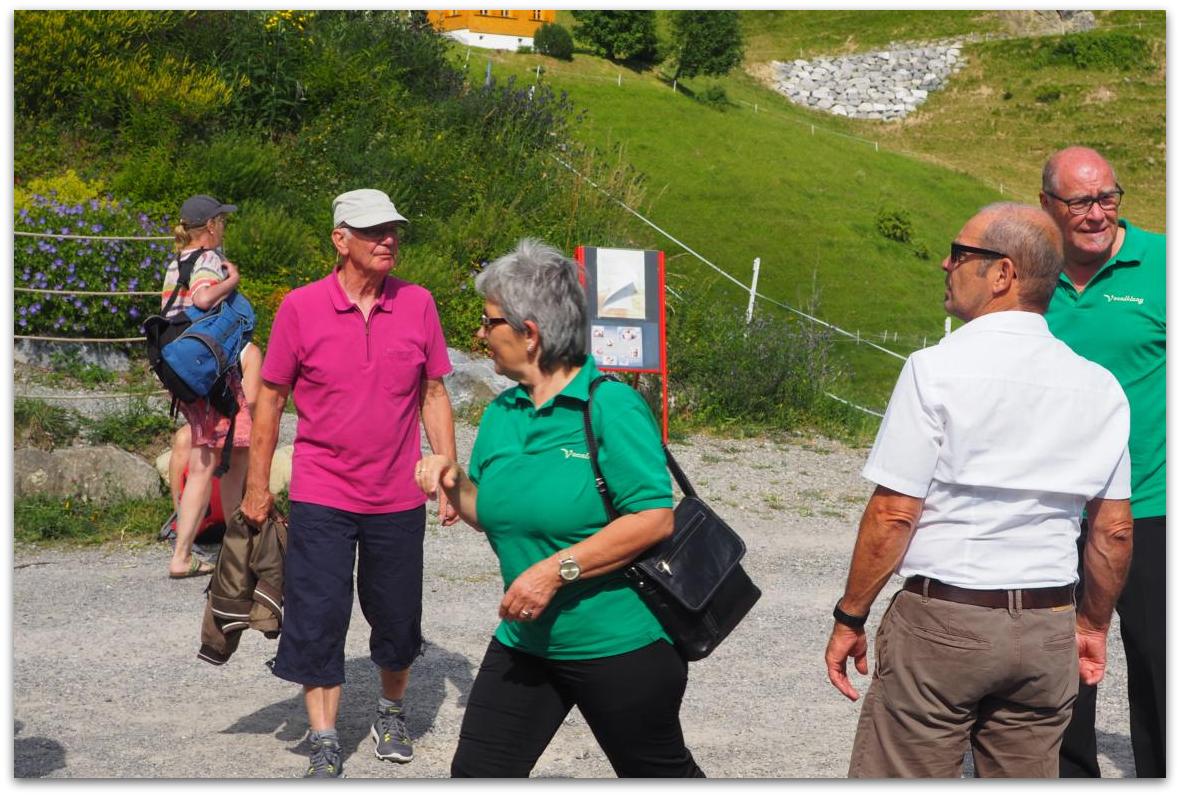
x,y
569,453
1130,299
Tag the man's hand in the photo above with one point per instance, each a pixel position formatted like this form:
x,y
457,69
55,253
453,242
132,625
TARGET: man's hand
x,y
1091,653
447,514
256,505
843,643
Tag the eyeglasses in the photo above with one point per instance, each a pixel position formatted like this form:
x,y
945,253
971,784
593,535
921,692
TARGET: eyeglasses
x,y
1081,205
378,233
960,251
487,323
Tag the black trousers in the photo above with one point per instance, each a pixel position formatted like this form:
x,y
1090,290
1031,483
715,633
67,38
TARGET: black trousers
x,y
1143,622
630,701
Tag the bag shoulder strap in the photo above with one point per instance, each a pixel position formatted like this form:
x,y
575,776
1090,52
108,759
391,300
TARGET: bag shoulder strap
x,y
592,446
600,482
185,268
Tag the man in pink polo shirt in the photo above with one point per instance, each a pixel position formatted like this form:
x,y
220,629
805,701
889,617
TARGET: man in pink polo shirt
x,y
363,354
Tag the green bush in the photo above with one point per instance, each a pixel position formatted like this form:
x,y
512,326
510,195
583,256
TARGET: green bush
x,y
43,425
1048,94
1101,51
771,371
67,365
237,167
94,265
42,518
554,40
137,428
895,225
714,96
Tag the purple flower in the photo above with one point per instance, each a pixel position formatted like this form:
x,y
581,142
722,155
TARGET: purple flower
x,y
58,263
23,322
65,231
78,304
22,310
94,227
134,312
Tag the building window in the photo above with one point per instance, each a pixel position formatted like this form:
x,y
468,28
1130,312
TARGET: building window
x,y
536,16
505,13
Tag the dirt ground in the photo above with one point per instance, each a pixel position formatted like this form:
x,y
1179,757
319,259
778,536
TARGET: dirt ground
x,y
106,682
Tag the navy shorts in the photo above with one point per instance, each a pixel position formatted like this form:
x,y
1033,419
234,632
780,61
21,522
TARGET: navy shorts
x,y
322,547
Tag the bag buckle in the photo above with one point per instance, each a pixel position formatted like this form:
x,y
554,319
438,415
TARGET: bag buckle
x,y
663,567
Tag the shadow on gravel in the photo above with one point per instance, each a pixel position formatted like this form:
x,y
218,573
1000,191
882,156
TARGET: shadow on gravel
x,y
287,720
35,757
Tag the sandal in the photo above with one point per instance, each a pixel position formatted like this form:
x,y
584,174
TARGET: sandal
x,y
196,568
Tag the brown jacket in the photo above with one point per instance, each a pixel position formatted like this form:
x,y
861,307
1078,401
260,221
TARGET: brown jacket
x,y
246,589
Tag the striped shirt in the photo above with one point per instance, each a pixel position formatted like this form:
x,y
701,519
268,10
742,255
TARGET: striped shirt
x,y
207,270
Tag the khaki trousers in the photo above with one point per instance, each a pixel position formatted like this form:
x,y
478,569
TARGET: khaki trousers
x,y
950,675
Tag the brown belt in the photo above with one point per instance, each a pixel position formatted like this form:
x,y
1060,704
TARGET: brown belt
x,y
1047,597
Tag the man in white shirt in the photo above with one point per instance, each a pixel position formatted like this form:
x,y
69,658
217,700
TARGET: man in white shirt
x,y
992,444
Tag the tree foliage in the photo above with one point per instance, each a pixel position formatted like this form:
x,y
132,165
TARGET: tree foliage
x,y
706,42
618,35
554,40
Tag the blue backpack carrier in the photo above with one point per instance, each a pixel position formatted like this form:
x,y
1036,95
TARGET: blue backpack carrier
x,y
193,352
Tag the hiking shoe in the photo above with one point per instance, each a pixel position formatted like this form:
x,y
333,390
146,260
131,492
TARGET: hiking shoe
x,y
324,759
389,732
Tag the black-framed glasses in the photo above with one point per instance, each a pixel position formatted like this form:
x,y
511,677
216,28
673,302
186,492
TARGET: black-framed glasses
x,y
1081,205
959,252
487,323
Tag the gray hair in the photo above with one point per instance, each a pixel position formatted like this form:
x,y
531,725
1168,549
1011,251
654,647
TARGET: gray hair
x,y
1029,236
536,282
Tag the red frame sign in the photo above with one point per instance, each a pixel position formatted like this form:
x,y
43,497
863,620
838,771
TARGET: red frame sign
x,y
625,312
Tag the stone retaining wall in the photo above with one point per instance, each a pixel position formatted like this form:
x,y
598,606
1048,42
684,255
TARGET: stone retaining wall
x,y
878,85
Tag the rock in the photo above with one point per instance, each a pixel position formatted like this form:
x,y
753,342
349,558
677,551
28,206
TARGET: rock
x,y
103,474
280,467
40,353
473,380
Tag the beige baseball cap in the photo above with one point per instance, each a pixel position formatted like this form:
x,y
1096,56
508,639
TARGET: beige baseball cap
x,y
364,207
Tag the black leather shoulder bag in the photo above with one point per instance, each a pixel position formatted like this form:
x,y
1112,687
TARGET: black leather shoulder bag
x,y
693,581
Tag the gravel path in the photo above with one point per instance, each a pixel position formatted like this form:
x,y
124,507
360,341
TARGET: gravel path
x,y
106,682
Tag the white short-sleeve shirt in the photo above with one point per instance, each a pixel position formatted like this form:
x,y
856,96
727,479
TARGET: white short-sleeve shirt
x,y
1006,433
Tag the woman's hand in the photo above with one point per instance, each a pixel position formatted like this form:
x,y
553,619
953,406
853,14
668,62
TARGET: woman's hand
x,y
435,471
231,274
529,595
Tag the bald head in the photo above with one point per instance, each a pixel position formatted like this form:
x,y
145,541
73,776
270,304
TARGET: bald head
x,y
1030,237
1075,163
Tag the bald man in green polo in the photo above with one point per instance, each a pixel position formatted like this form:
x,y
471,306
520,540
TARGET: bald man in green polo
x,y
1109,307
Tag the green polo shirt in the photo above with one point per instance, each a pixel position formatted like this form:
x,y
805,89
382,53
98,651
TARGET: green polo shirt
x,y
1119,321
537,496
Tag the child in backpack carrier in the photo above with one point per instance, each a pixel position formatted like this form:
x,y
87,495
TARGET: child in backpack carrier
x,y
213,278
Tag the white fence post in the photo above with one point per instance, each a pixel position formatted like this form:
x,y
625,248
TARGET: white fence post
x,y
753,291
620,79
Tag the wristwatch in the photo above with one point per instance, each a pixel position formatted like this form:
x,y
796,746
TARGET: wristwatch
x,y
848,620
568,569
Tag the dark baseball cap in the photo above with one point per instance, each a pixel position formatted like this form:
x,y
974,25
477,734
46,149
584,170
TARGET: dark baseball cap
x,y
197,210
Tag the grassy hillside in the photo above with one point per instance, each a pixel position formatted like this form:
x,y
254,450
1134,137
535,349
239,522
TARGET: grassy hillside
x,y
803,190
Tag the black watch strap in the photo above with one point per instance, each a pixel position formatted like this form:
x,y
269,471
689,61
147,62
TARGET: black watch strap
x,y
854,622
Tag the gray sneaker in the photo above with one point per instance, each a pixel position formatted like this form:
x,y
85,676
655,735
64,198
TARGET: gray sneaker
x,y
324,759
389,732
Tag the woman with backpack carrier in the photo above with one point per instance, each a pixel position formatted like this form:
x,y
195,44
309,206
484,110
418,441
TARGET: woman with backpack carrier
x,y
212,278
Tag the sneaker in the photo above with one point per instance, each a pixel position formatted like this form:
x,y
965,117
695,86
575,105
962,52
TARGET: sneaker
x,y
324,759
389,732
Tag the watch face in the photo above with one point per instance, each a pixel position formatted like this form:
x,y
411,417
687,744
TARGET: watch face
x,y
569,570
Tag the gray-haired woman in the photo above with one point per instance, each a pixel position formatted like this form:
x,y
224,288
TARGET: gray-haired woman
x,y
574,632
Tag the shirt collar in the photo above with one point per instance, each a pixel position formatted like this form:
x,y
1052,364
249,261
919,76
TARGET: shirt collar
x,y
1130,253
577,390
1134,244
342,303
1018,321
